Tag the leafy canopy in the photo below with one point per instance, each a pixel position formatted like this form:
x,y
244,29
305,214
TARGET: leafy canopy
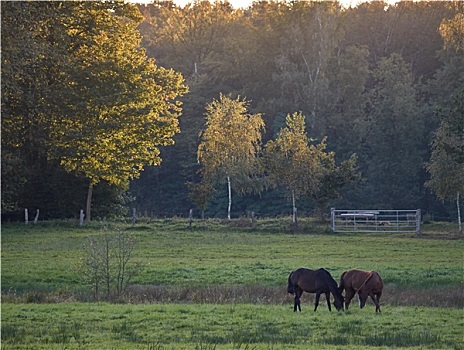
x,y
115,105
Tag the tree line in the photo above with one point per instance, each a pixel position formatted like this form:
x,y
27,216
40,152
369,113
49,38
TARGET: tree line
x,y
375,92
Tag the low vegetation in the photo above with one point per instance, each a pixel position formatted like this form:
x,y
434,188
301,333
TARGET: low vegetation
x,y
222,284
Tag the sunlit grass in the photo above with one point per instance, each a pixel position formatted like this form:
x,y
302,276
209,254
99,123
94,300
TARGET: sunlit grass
x,y
45,257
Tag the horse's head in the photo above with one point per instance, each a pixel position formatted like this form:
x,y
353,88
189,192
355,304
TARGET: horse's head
x,y
338,302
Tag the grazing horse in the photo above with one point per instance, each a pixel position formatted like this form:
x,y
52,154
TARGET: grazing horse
x,y
364,283
314,281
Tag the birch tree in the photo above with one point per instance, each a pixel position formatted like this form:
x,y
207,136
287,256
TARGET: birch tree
x,y
230,145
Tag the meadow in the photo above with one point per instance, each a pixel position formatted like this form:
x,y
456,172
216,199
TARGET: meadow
x,y
222,285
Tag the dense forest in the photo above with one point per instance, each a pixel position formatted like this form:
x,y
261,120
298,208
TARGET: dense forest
x,y
162,108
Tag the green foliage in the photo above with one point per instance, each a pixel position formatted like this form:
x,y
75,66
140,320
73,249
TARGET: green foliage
x,y
101,108
230,145
452,31
303,169
77,88
231,139
292,162
446,164
201,194
393,133
317,58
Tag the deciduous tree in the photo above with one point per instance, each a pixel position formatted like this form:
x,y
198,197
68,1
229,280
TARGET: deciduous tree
x,y
230,145
446,165
292,163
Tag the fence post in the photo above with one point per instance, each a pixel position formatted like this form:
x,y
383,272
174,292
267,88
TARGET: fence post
x,y
26,216
190,218
253,224
332,219
134,216
36,217
418,222
81,217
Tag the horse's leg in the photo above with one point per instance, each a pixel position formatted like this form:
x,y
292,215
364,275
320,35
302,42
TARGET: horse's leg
x,y
298,293
297,304
327,296
379,294
318,295
349,294
377,301
374,299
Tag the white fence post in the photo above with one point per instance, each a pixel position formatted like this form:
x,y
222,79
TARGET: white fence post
x,y
418,221
81,217
26,216
36,217
332,219
190,218
134,216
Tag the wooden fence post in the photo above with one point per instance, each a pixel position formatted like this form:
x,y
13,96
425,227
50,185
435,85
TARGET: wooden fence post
x,y
190,218
134,216
36,217
81,217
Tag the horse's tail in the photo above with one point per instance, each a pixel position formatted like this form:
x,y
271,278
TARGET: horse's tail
x,y
341,285
291,286
379,279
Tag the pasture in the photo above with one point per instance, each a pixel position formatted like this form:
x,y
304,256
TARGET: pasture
x,y
222,285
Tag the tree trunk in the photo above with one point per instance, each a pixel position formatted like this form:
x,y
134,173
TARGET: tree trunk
x,y
294,219
459,214
230,197
89,203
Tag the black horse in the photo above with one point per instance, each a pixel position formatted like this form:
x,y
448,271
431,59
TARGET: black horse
x,y
314,281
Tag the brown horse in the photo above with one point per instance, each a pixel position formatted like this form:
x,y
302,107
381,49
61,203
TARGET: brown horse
x,y
364,283
314,281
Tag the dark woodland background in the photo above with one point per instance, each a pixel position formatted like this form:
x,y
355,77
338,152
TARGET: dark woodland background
x,y
373,79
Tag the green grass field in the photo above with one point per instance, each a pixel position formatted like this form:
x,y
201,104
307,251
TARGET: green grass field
x,y
222,285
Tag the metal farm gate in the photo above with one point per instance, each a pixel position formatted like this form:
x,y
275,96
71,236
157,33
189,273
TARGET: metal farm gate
x,y
375,220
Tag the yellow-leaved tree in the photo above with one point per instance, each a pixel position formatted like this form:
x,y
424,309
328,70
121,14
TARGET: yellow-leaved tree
x,y
292,162
230,145
112,107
